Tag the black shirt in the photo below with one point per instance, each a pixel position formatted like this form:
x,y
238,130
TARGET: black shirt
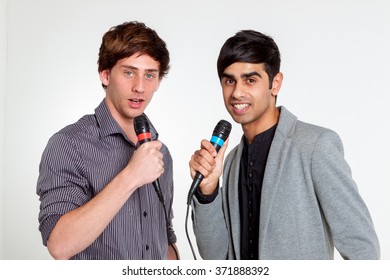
x,y
252,167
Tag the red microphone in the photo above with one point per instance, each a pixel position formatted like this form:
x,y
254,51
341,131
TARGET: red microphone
x,y
142,129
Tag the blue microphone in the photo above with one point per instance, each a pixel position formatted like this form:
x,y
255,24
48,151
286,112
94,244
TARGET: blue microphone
x,y
220,134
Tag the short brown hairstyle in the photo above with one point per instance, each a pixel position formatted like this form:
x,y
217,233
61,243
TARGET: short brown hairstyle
x,y
126,39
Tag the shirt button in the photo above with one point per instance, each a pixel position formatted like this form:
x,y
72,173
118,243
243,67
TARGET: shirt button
x,y
145,213
250,175
147,247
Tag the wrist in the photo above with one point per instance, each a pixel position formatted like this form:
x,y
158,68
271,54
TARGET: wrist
x,y
128,180
206,199
208,189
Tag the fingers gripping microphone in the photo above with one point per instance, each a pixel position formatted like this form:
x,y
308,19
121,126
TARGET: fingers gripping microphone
x,y
220,134
142,129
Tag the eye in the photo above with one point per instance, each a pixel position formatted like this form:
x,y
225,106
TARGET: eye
x,y
150,76
229,81
128,73
250,81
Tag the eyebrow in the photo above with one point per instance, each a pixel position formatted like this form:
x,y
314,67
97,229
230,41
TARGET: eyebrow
x,y
135,68
242,76
250,74
229,76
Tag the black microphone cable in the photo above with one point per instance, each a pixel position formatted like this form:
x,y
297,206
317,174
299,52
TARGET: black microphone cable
x,y
142,129
220,134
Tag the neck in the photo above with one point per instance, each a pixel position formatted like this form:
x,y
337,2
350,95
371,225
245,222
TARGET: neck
x,y
130,132
260,125
128,128
126,123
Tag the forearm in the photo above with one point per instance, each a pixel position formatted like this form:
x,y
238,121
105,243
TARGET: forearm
x,y
77,229
210,229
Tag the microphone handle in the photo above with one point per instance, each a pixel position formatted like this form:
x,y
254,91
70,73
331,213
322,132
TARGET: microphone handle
x,y
195,184
157,188
156,183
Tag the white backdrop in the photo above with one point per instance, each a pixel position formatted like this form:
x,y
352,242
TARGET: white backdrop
x,y
335,60
3,68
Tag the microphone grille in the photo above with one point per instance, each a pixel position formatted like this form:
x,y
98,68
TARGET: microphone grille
x,y
141,125
222,129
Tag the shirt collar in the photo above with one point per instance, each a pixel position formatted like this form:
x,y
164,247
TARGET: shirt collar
x,y
265,136
109,126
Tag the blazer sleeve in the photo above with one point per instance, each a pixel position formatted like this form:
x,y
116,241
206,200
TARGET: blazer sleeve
x,y
210,229
344,210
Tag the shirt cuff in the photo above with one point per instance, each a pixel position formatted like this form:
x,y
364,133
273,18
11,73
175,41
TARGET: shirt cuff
x,y
206,199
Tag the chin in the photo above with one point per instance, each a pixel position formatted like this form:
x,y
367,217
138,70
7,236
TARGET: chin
x,y
238,120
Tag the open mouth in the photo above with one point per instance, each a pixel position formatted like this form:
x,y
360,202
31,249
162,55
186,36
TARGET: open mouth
x,y
134,100
136,103
241,106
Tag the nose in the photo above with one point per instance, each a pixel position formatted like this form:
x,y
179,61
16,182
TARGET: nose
x,y
139,85
238,92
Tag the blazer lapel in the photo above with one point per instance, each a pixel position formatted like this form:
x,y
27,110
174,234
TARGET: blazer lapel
x,y
233,201
274,168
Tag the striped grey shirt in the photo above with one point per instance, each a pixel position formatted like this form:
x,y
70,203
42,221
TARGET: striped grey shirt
x,y
78,162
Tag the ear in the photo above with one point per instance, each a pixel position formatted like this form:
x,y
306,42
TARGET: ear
x,y
105,77
277,84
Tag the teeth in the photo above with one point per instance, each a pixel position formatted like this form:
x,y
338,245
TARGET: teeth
x,y
240,106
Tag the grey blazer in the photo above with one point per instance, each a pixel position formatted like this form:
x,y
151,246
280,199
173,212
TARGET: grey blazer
x,y
309,202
